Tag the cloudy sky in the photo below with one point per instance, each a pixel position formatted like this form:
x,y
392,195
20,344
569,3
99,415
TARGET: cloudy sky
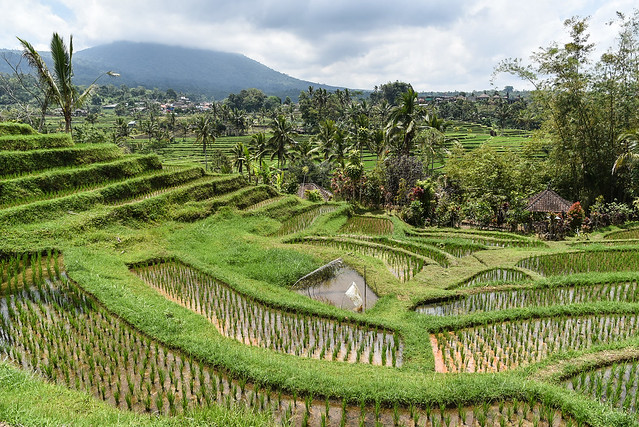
x,y
432,44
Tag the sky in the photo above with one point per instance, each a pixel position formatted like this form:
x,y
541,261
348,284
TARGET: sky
x,y
436,45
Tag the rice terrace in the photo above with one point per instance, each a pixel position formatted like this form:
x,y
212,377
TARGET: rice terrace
x,y
344,258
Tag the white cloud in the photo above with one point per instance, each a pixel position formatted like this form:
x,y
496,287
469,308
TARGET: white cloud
x,y
434,45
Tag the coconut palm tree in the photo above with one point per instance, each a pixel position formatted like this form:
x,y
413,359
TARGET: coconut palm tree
x,y
59,85
259,145
377,143
324,138
404,122
630,142
340,147
281,140
241,158
204,130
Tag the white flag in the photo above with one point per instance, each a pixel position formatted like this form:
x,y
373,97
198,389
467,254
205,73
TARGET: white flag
x,y
353,294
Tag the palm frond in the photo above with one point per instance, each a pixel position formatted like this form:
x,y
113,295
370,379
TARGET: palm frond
x,y
35,61
62,65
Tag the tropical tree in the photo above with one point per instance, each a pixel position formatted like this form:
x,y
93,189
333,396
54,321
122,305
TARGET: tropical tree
x,y
282,140
324,138
259,145
584,106
204,130
377,142
305,149
241,158
340,147
630,142
59,85
404,122
433,138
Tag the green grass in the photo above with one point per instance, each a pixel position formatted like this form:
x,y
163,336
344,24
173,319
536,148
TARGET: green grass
x,y
200,222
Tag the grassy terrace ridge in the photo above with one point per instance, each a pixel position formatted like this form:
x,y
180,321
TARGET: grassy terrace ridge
x,y
108,194
231,231
18,163
51,184
35,142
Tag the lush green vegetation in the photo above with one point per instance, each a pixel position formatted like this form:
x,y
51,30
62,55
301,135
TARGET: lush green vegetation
x,y
167,351
143,291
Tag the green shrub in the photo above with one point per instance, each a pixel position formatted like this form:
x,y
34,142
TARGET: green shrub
x,y
313,196
35,142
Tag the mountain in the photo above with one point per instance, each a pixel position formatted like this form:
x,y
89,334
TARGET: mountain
x,y
212,73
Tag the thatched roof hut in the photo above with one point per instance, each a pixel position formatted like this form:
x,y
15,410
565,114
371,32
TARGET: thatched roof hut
x,y
548,201
301,192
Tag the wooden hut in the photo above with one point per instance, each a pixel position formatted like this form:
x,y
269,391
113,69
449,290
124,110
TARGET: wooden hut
x,y
548,201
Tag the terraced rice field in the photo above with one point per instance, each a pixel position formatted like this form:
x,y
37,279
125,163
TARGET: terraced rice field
x,y
615,384
303,220
532,297
295,360
503,346
367,225
494,276
583,262
402,263
252,323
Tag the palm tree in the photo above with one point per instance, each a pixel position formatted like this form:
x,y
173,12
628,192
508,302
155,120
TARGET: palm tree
x,y
241,158
630,141
281,140
259,144
305,149
377,143
340,147
433,138
204,130
59,85
403,124
324,138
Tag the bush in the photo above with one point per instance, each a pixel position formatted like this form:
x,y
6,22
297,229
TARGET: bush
x,y
313,196
575,216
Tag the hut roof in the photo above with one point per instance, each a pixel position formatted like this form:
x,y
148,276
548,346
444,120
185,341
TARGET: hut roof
x,y
326,195
548,201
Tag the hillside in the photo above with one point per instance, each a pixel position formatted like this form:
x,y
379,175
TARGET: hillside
x,y
212,73
171,297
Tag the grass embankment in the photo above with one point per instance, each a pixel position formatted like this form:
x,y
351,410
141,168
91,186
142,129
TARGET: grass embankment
x,y
140,219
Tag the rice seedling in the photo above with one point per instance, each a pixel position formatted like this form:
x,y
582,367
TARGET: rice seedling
x,y
632,233
616,384
532,297
402,263
427,251
303,220
264,203
582,262
495,239
493,276
368,225
254,323
503,346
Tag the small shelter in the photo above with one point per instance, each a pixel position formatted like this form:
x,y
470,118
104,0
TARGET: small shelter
x,y
548,201
301,192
